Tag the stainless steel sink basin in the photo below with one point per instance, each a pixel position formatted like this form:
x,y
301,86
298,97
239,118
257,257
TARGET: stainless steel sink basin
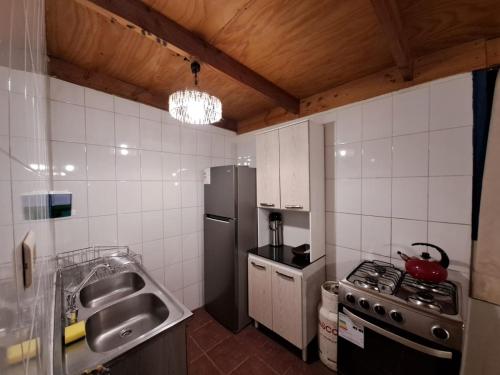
x,y
110,289
124,321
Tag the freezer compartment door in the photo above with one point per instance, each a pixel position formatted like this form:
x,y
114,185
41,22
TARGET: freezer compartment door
x,y
220,191
220,274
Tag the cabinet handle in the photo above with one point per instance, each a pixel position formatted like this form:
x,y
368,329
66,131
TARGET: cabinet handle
x,y
296,206
258,266
267,204
291,278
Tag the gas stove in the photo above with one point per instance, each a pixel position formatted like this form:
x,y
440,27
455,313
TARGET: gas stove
x,y
382,291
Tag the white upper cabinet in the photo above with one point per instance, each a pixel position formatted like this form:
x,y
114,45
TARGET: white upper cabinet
x,y
294,167
268,170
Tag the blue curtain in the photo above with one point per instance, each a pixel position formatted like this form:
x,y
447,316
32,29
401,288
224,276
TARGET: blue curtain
x,y
483,89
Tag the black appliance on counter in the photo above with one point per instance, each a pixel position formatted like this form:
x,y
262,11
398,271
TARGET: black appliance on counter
x,y
392,324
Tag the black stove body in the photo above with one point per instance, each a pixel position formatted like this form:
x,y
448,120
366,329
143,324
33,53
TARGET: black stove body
x,y
392,324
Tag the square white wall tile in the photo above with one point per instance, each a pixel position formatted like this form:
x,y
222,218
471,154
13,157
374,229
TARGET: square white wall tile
x,y
103,230
128,132
218,147
204,143
151,135
150,113
346,261
348,161
129,228
189,168
126,107
405,232
191,272
151,165
451,152
347,196
188,141
66,92
100,127
190,246
330,192
128,196
71,234
152,254
376,196
128,164
152,195
450,199
192,296
99,100
348,127
451,102
411,111
6,203
102,198
347,230
171,138
152,225
69,161
171,166
172,250
171,194
455,240
173,277
67,122
100,163
172,223
330,134
330,163
189,194
410,155
409,198
376,235
190,220
377,158
377,118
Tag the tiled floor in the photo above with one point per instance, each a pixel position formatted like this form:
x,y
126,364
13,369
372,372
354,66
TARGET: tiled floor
x,y
213,350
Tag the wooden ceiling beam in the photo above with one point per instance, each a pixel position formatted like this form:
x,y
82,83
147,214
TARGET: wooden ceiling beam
x,y
463,58
389,19
102,82
137,16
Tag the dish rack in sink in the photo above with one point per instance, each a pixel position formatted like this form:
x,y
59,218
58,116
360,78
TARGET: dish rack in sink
x,y
75,265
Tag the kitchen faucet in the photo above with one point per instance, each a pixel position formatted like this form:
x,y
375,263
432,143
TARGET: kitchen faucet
x,y
72,311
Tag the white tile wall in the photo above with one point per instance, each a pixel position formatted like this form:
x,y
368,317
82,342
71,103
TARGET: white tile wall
x,y
398,171
135,174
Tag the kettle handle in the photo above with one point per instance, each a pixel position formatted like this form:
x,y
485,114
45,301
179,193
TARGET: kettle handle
x,y
445,261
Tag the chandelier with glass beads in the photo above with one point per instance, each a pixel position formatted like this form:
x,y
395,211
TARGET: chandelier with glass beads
x,y
194,106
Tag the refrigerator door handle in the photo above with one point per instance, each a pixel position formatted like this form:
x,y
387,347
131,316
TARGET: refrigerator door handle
x,y
218,219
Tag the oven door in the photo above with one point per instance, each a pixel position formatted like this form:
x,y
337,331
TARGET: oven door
x,y
389,351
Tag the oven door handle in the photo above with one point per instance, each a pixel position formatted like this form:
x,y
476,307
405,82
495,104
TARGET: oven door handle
x,y
403,341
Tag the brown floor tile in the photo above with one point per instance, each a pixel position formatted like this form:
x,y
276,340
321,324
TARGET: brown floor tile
x,y
278,358
253,366
202,366
210,335
253,340
200,318
316,368
228,354
193,350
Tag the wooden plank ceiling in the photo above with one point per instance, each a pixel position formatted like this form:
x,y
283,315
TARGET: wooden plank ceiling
x,y
304,47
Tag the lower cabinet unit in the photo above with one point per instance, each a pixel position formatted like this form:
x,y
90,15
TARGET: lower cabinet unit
x,y
285,299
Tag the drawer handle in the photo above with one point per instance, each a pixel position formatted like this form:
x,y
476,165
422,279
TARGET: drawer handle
x,y
267,204
296,206
258,266
291,278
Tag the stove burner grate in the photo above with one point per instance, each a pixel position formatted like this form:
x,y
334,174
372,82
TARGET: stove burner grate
x,y
375,275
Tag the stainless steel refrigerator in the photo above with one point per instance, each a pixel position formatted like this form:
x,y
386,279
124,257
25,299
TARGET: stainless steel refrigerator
x,y
230,226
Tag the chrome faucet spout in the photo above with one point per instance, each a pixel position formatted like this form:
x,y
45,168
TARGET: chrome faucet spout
x,y
72,297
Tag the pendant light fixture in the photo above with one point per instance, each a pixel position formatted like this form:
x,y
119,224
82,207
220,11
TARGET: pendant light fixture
x,y
194,106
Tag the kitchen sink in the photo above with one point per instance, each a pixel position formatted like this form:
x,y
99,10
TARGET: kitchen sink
x,y
110,289
124,321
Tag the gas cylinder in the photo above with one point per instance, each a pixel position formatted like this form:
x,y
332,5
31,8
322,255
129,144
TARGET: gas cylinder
x,y
327,324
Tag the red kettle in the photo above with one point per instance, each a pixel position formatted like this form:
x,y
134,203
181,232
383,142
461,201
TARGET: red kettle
x,y
424,267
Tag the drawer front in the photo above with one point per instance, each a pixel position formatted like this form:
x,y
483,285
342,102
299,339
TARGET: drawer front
x,y
287,305
260,292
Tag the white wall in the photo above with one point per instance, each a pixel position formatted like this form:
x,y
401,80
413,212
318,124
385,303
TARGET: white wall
x,y
24,167
399,170
135,175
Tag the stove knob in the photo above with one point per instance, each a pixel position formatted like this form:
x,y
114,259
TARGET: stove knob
x,y
364,304
396,316
350,298
379,309
440,333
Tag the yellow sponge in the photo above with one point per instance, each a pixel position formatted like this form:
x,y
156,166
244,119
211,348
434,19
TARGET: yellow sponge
x,y
17,353
74,332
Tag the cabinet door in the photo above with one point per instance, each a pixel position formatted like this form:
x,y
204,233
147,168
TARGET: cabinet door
x,y
287,305
294,167
260,292
268,169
